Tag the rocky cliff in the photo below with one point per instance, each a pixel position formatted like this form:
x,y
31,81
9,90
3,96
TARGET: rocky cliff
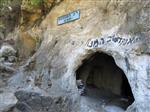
x,y
41,61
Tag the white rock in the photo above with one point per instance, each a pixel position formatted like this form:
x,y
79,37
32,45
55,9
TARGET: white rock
x,y
7,50
112,108
11,58
7,100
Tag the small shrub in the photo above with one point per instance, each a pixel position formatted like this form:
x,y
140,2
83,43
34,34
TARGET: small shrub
x,y
36,2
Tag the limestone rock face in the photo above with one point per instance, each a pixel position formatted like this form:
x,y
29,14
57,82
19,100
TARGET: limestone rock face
x,y
7,50
9,16
8,58
7,100
7,53
33,11
35,102
119,29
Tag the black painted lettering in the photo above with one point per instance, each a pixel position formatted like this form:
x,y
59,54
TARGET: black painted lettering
x,y
119,39
102,41
122,41
109,39
90,43
130,41
114,39
95,43
137,39
125,42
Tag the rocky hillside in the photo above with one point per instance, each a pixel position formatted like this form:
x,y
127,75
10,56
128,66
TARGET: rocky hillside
x,y
52,50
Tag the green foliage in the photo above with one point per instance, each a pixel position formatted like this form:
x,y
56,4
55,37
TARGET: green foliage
x,y
5,3
36,2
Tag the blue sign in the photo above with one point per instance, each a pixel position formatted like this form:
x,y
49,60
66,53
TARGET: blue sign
x,y
69,17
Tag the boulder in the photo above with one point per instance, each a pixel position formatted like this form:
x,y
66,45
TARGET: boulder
x,y
7,100
7,51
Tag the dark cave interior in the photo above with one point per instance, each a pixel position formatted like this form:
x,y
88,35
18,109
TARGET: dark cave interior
x,y
101,72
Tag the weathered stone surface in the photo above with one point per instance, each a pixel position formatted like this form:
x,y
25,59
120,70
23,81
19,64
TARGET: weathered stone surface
x,y
34,102
7,100
7,50
121,30
33,11
7,55
117,28
26,44
10,11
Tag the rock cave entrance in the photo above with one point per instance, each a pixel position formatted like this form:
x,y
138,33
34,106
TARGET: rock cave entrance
x,y
102,81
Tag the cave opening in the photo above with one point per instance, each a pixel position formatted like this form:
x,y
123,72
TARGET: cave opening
x,y
100,78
